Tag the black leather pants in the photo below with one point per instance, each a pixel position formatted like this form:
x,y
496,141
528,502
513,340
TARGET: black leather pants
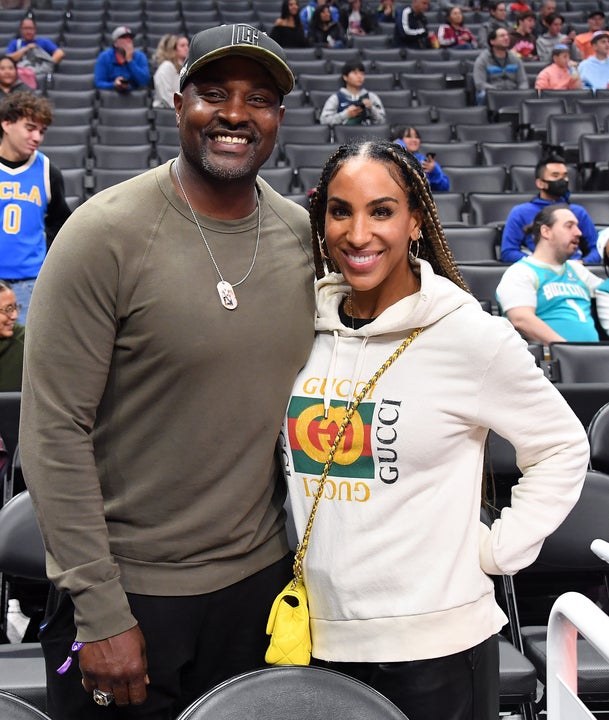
x,y
464,686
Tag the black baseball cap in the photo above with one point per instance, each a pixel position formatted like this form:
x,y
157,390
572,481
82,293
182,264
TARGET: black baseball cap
x,y
226,40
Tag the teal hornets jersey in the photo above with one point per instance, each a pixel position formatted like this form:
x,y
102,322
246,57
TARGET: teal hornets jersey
x,y
564,303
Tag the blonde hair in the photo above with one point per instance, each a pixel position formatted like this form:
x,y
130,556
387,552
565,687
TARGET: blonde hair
x,y
167,50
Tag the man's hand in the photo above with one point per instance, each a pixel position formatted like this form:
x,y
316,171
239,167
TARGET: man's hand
x,y
117,665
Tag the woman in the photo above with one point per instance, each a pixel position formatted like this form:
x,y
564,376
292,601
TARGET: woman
x,y
409,138
397,564
324,32
385,12
11,341
9,79
169,57
287,30
356,20
453,33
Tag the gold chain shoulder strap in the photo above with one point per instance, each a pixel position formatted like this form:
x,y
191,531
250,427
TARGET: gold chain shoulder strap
x,y
302,547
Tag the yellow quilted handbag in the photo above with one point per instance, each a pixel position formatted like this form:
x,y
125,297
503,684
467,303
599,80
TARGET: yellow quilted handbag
x,y
288,626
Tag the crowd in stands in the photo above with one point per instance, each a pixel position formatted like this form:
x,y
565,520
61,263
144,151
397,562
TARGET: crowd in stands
x,y
412,72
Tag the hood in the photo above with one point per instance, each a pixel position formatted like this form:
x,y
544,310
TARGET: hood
x,y
437,297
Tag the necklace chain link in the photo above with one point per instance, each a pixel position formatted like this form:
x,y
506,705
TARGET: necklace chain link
x,y
194,217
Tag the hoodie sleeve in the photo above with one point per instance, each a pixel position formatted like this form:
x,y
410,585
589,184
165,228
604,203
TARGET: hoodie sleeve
x,y
552,452
512,238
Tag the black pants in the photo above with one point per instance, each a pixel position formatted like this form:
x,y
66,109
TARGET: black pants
x,y
192,644
464,686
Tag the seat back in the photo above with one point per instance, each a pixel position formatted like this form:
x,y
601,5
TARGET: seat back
x,y
22,551
16,708
579,362
295,692
598,437
10,412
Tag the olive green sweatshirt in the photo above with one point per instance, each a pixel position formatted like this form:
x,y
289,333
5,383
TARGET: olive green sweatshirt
x,y
148,440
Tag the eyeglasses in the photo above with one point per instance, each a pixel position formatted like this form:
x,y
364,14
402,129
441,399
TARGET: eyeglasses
x,y
11,309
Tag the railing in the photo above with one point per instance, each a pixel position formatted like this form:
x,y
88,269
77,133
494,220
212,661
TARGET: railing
x,y
571,614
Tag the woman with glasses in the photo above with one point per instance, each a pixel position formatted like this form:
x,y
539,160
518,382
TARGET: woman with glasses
x,y
11,341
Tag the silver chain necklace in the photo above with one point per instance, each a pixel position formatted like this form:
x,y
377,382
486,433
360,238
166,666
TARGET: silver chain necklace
x,y
226,291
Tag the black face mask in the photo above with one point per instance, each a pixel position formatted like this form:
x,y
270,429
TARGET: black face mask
x,y
557,188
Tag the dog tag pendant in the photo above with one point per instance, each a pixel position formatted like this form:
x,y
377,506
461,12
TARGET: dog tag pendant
x,y
227,295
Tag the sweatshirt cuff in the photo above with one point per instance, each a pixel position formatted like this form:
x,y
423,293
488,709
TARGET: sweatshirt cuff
x,y
487,561
102,611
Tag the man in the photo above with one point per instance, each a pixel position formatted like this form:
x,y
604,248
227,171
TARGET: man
x,y
39,53
596,21
497,67
548,7
594,70
183,301
561,74
522,40
552,180
410,30
32,197
497,19
353,104
554,36
547,296
121,67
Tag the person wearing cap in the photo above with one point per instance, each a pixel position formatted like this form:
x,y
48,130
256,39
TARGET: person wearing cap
x,y
594,70
182,299
121,67
596,21
353,104
561,74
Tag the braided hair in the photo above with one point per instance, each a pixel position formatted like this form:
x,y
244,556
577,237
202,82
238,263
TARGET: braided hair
x,y
412,178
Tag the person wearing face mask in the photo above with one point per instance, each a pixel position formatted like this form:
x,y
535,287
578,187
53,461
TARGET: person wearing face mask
x,y
552,179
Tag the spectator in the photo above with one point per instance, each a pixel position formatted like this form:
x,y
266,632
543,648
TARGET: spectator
x,y
409,138
165,580
324,31
385,12
287,30
306,14
561,74
169,57
496,21
548,7
121,67
33,201
9,79
552,180
356,20
453,33
583,41
397,570
11,341
522,40
497,67
353,104
40,54
411,26
547,296
594,70
554,36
